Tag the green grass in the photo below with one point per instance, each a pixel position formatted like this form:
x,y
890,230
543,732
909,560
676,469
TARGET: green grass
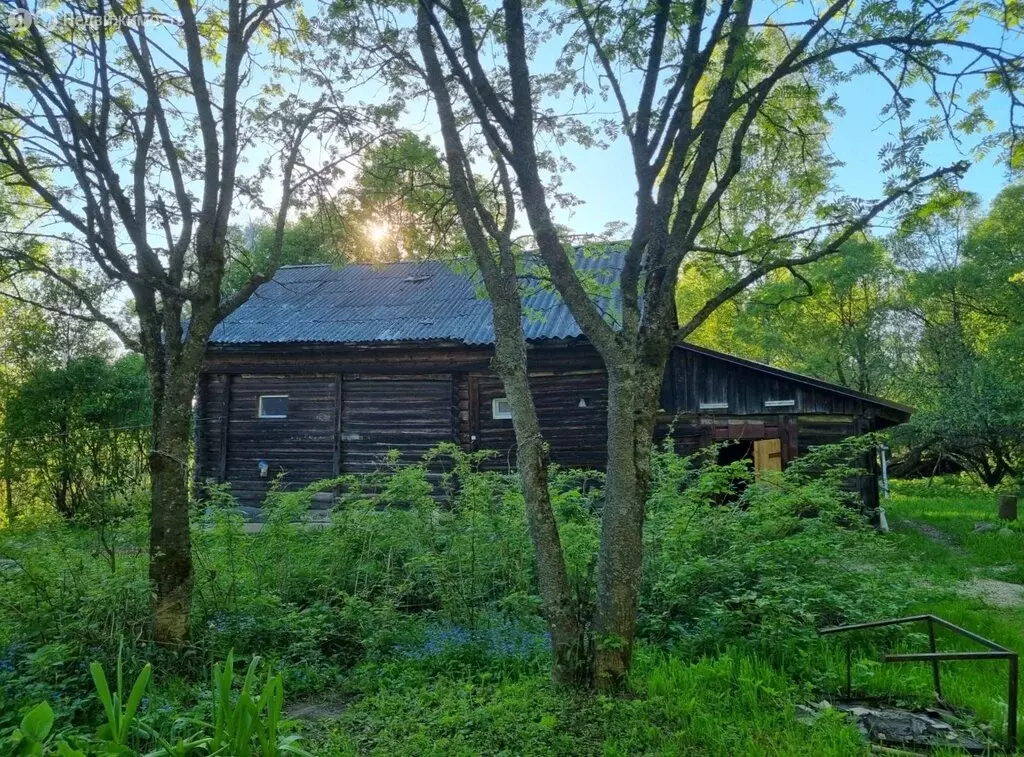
x,y
946,565
463,701
735,704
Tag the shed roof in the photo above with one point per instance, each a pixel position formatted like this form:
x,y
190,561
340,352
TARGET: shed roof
x,y
415,301
904,411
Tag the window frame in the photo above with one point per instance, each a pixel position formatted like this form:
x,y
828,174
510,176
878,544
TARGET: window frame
x,y
500,415
714,405
265,416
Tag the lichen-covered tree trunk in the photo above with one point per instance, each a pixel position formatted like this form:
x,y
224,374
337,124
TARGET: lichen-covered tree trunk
x,y
569,646
633,390
170,544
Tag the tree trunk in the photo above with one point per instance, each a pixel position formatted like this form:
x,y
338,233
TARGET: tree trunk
x,y
569,646
9,513
633,390
170,559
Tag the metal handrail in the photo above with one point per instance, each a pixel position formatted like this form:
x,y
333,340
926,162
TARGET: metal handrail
x,y
996,652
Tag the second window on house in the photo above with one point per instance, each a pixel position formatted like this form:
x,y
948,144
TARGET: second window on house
x,y
501,409
273,406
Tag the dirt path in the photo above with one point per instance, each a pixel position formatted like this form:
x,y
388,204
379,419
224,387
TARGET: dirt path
x,y
990,591
936,535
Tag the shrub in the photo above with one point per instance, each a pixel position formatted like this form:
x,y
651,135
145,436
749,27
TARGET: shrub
x,y
427,570
788,555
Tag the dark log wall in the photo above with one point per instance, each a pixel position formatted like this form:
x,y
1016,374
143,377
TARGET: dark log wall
x,y
299,447
701,378
820,430
782,427
381,413
349,406
576,434
211,424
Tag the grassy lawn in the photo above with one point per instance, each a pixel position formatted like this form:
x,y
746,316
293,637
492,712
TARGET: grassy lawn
x,y
968,577
735,704
362,678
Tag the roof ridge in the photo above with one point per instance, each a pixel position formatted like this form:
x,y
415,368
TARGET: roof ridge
x,y
577,248
344,264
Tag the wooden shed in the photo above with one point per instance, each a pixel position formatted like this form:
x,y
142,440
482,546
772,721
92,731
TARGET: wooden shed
x,y
324,370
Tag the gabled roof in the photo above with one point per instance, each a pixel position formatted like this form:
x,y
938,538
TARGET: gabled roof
x,y
417,301
432,301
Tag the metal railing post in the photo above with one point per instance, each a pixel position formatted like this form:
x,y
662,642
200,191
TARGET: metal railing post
x,y
935,662
995,652
1011,706
849,671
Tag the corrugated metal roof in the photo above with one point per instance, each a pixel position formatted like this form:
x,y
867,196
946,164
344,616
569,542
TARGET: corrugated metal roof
x,y
406,302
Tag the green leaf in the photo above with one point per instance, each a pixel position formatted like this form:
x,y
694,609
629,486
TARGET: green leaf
x,y
133,701
37,723
103,691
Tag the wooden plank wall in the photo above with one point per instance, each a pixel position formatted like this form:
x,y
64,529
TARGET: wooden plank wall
x,y
816,430
702,378
349,406
300,446
576,435
382,413
211,419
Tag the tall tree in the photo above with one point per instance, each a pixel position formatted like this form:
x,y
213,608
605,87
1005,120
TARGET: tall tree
x,y
401,204
964,290
77,430
398,206
842,320
130,128
689,82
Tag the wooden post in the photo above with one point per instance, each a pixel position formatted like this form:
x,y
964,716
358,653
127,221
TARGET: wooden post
x,y
225,425
339,379
1008,507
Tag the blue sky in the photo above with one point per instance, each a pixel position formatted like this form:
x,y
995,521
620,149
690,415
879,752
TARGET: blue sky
x,y
603,179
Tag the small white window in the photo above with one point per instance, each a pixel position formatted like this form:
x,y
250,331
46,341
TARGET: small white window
x,y
779,403
501,409
714,405
273,406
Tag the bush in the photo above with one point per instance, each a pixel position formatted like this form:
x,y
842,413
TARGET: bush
x,y
424,576
788,555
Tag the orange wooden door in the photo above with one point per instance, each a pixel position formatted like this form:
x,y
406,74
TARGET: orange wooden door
x,y
767,455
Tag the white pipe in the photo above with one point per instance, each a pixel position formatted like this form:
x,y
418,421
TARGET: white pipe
x,y
885,470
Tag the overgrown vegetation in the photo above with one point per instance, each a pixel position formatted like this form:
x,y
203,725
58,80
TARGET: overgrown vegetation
x,y
414,620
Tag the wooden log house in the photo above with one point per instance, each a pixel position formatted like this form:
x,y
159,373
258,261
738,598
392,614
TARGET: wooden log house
x,y
324,370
